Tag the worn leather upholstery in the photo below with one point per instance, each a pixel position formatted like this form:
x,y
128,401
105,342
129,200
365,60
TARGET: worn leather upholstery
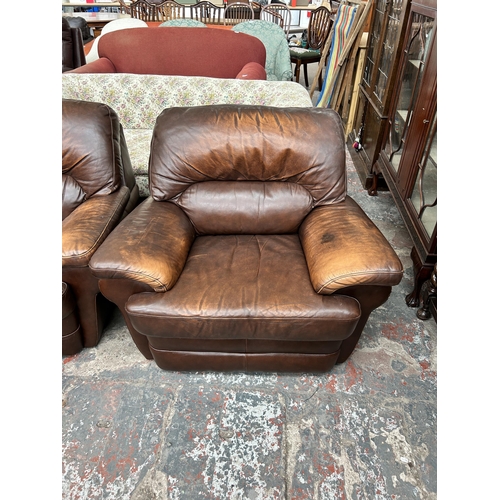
x,y
73,52
71,332
248,255
98,190
76,21
177,50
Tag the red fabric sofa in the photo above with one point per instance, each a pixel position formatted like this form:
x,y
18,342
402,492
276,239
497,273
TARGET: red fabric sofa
x,y
185,51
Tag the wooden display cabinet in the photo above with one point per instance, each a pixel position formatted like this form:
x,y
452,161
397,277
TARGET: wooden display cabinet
x,y
376,89
408,159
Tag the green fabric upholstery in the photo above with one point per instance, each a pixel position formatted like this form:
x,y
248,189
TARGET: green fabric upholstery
x,y
183,22
303,54
278,65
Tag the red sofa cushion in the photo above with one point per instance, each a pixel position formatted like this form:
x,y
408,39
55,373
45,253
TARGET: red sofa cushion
x,y
183,51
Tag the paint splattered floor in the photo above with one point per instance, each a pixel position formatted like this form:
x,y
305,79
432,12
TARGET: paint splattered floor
x,y
366,430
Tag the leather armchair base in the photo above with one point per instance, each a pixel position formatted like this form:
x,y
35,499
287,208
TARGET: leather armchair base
x,y
94,310
244,354
71,331
244,362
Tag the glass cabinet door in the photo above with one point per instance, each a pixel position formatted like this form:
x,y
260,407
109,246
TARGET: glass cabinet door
x,y
374,42
424,193
382,46
389,46
415,56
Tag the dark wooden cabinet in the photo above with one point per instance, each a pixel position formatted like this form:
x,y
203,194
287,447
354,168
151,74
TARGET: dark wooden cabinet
x,y
380,76
408,157
393,141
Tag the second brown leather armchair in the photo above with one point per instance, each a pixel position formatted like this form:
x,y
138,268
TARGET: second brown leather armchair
x,y
248,255
98,190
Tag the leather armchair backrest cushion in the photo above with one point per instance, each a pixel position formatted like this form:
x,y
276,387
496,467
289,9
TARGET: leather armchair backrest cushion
x,y
251,207
181,51
247,169
91,151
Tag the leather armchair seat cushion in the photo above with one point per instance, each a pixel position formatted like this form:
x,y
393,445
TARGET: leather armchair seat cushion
x,y
252,287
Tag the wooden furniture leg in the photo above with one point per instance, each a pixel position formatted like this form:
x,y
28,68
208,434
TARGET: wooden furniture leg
x,y
422,273
428,293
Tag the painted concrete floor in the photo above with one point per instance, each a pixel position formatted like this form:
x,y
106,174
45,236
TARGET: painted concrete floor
x,y
366,430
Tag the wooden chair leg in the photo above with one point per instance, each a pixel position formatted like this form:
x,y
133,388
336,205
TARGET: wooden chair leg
x,y
297,71
306,80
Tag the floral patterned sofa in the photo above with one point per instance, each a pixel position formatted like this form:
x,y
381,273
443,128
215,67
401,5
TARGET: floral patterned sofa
x,y
139,99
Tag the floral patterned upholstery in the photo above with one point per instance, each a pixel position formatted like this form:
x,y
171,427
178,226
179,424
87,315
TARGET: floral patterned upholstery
x,y
139,99
278,65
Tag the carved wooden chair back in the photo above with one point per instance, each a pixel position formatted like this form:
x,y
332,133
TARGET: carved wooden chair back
x,y
318,29
207,13
170,9
279,14
142,9
124,7
238,12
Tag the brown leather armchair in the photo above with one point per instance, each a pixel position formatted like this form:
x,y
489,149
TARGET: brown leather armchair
x,y
98,190
248,255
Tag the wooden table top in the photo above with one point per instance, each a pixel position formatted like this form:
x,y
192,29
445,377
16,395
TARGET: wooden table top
x,y
97,16
83,3
89,5
117,4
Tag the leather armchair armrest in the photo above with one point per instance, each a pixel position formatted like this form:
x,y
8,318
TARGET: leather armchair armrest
x,y
84,230
343,248
101,65
150,246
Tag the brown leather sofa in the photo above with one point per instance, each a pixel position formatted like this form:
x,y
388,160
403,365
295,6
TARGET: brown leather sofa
x,y
98,190
248,255
73,52
182,51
